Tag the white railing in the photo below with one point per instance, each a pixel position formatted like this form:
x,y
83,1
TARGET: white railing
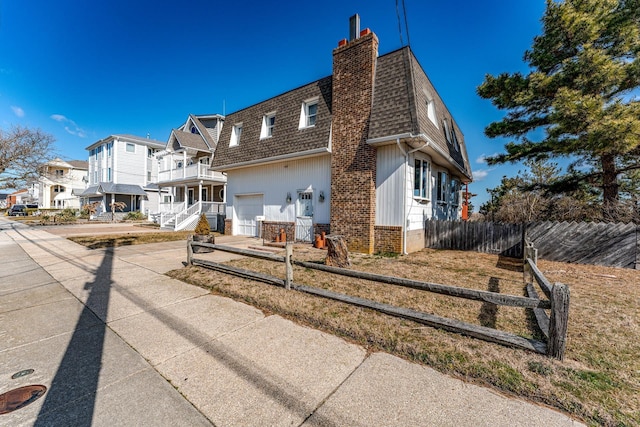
x,y
173,207
179,220
194,171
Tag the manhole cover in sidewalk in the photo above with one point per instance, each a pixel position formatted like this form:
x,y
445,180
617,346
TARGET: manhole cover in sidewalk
x,y
20,397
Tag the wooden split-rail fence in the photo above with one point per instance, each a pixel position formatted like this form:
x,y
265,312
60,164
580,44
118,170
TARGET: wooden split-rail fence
x,y
558,301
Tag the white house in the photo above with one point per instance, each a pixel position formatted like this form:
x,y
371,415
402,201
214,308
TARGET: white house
x,y
191,186
369,152
123,168
60,182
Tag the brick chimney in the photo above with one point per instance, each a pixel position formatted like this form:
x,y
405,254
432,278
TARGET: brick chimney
x,y
353,161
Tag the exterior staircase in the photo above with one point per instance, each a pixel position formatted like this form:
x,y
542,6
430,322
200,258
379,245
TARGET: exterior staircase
x,y
187,219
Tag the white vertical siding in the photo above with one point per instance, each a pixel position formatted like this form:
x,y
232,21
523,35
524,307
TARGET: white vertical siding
x,y
274,181
130,165
391,182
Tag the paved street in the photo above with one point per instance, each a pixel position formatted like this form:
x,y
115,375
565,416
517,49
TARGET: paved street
x,y
116,342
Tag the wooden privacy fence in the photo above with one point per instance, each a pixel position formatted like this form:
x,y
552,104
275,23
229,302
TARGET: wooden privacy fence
x,y
481,332
487,237
609,244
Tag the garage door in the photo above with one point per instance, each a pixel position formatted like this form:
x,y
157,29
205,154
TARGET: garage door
x,y
247,209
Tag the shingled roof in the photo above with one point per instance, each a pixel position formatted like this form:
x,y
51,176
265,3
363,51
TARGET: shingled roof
x,y
401,92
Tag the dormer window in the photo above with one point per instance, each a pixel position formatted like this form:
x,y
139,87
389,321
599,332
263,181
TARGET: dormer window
x,y
308,113
268,123
59,173
454,137
236,132
447,132
431,111
193,129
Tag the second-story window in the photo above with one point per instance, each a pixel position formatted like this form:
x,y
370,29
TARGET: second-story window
x,y
109,174
109,149
59,173
236,132
268,123
308,113
131,148
58,189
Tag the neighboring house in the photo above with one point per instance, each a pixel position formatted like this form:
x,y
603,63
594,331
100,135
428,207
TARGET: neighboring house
x,y
368,153
60,183
3,200
19,197
192,188
122,168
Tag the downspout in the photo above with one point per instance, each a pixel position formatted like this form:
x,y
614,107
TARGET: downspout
x,y
404,185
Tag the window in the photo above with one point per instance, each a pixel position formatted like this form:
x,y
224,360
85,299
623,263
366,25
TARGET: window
x,y
454,137
179,164
268,122
148,176
204,160
421,176
441,184
308,113
150,153
109,149
236,132
431,111
59,172
108,174
447,134
131,148
58,189
193,129
455,192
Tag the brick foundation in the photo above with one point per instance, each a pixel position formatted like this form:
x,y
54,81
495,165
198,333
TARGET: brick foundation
x,y
272,228
388,239
228,230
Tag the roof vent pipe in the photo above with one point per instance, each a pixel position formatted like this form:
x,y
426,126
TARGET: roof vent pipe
x,y
354,27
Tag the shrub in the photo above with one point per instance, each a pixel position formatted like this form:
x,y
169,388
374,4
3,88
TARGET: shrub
x,y
203,226
66,215
135,216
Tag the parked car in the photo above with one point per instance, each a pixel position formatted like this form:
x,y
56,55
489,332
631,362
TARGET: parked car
x,y
18,210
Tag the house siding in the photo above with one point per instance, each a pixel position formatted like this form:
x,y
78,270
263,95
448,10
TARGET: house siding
x,y
275,180
390,185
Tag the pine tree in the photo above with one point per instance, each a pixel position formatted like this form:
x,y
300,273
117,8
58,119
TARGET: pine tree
x,y
581,91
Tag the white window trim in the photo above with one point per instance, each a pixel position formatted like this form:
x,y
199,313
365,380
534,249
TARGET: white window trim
x,y
304,112
267,129
425,179
431,111
447,132
129,144
235,138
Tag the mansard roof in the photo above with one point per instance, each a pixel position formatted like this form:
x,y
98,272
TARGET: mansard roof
x,y
401,94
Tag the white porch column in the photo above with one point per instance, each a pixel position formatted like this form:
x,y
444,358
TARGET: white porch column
x,y
200,192
184,164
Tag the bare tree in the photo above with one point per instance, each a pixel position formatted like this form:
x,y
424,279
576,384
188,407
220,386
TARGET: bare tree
x,y
22,153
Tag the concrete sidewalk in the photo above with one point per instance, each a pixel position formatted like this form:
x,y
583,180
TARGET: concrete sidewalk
x,y
118,343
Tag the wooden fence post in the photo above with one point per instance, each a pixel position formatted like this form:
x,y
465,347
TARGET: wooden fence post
x,y
189,251
559,321
288,266
529,253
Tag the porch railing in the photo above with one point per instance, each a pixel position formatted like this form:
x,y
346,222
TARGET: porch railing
x,y
194,171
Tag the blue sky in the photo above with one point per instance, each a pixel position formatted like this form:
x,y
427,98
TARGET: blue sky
x,y
84,70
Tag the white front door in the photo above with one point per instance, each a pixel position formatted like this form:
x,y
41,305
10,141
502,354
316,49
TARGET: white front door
x,y
304,216
247,208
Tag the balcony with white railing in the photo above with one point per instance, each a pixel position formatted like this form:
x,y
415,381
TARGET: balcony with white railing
x,y
196,171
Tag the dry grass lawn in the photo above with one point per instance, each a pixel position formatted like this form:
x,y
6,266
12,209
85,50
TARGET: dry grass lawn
x,y
598,382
